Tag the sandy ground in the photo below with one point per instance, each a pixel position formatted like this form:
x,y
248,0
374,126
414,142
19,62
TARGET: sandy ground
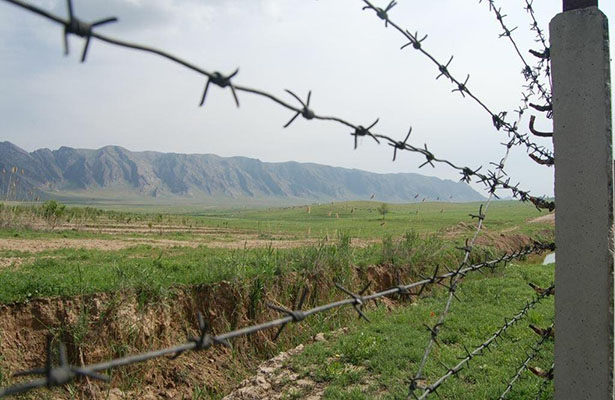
x,y
38,245
549,218
244,242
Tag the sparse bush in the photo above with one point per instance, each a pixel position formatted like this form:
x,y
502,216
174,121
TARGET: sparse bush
x,y
53,212
383,210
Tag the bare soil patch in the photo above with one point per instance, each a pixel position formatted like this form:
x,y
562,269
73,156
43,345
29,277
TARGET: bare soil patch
x,y
38,245
274,379
502,240
11,262
549,219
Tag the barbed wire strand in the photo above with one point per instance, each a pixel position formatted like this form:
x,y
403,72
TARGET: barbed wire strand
x,y
485,345
528,72
77,27
467,250
545,55
541,154
535,350
64,373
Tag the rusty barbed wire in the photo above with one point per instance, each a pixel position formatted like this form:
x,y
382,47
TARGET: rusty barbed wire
x,y
225,81
530,74
428,389
544,56
544,335
64,372
461,86
546,380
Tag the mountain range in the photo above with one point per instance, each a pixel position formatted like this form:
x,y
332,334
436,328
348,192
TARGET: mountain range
x,y
113,173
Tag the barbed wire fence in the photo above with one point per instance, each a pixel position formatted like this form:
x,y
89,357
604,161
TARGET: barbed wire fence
x,y
493,180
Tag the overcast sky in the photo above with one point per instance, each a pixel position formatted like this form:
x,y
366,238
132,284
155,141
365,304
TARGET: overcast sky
x,y
344,55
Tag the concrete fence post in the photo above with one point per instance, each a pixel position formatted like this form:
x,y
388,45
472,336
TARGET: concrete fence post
x,y
584,203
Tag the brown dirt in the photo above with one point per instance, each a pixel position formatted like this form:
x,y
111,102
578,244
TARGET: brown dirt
x,y
11,262
275,379
38,245
502,240
131,228
271,378
549,219
103,326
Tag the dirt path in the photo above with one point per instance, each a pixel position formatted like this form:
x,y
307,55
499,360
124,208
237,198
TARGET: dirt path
x,y
38,245
275,380
549,218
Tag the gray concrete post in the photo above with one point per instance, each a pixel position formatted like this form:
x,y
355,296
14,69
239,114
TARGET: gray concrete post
x,y
584,205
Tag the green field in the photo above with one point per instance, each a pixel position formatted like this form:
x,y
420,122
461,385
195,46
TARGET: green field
x,y
331,230
110,262
358,219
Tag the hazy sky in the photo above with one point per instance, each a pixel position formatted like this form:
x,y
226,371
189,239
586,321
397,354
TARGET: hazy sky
x,y
344,55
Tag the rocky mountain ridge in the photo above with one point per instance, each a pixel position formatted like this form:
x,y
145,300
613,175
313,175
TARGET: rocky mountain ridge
x,y
116,171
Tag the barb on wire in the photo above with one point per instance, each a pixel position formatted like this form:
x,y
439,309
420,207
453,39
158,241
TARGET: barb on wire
x,y
462,88
297,315
382,12
82,29
358,299
402,145
65,373
205,340
305,111
361,131
432,388
223,81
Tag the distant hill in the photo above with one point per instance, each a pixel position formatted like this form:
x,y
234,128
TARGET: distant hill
x,y
114,173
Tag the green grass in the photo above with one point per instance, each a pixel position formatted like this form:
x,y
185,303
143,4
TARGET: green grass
x,y
361,219
358,219
68,272
375,360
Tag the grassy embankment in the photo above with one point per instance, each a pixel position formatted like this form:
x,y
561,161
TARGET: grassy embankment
x,y
375,361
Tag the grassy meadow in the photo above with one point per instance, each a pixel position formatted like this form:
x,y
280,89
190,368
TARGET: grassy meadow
x,y
86,250
267,254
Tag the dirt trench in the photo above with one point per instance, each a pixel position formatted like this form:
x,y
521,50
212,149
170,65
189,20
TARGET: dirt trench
x,y
102,326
